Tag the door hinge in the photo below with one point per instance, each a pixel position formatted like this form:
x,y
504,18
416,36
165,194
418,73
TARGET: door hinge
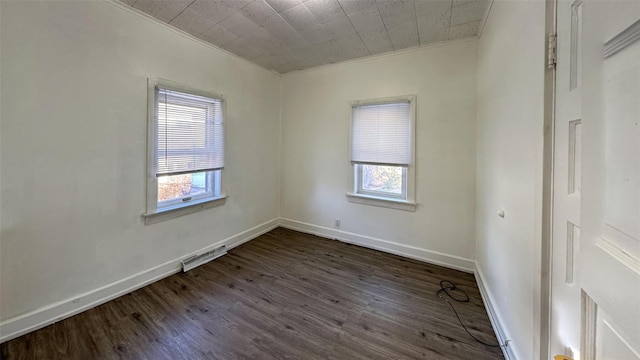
x,y
552,51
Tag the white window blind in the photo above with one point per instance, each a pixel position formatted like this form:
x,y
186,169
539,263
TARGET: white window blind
x,y
190,134
381,134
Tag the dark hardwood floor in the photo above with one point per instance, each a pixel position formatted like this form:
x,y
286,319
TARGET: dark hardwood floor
x,y
284,295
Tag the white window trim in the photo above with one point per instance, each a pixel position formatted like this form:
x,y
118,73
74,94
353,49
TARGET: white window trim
x,y
174,212
379,194
382,202
353,195
213,178
153,214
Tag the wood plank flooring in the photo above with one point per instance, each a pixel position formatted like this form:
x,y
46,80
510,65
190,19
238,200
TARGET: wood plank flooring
x,y
284,295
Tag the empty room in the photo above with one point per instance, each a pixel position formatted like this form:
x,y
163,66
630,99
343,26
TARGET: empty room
x,y
320,179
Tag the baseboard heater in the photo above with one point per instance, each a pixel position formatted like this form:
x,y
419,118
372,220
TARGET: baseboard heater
x,y
199,259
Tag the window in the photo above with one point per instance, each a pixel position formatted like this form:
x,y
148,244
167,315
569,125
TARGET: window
x,y
382,152
186,147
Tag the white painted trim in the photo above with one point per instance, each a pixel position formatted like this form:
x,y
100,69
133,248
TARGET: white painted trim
x,y
412,252
588,326
616,331
542,289
408,200
494,316
385,100
218,197
39,318
433,257
398,204
172,213
618,254
622,40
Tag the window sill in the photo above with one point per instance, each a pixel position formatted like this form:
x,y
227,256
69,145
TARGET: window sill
x,y
383,202
183,209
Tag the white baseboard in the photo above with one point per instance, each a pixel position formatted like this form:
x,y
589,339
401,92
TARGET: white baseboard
x,y
428,256
34,320
495,318
433,257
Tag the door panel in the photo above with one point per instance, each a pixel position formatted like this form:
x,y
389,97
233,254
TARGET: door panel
x,y
611,177
610,343
599,59
567,182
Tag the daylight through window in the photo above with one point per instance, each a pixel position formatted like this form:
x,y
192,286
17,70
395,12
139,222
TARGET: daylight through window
x,y
188,155
381,148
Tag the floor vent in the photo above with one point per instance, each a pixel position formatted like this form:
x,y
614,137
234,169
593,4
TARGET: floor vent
x,y
197,260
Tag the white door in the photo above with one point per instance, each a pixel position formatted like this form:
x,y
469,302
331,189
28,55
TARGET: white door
x,y
595,308
567,183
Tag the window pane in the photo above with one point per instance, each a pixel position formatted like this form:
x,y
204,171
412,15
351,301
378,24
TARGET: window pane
x,y
181,186
382,178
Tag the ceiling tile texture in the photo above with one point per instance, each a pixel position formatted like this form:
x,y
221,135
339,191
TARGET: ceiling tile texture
x,y
289,35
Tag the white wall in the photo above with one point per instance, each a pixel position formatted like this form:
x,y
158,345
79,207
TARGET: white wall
x,y
509,165
316,162
73,142
73,125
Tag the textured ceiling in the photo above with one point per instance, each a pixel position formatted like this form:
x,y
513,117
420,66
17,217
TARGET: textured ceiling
x,y
288,35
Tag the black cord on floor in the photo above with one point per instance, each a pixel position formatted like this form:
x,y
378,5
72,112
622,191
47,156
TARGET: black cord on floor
x,y
449,288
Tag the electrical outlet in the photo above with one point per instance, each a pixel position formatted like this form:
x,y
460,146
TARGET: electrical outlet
x,y
337,223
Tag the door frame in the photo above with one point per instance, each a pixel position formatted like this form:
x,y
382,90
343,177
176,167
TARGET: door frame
x,y
542,320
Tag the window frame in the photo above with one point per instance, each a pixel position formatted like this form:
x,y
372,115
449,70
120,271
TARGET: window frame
x,y
212,182
406,201
159,211
359,189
